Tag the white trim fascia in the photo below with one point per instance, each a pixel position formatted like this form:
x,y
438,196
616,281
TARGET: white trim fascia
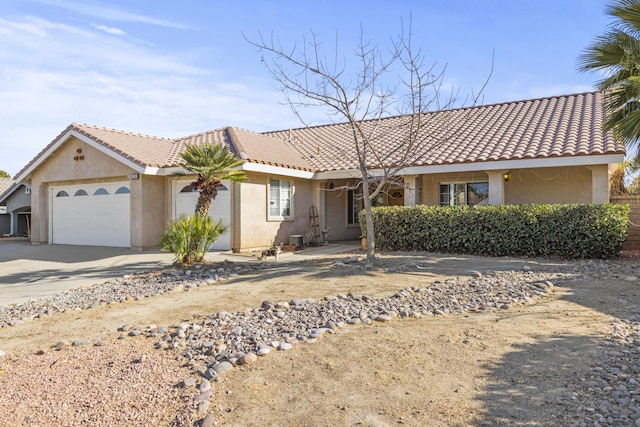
x,y
486,166
338,174
516,164
149,170
63,138
176,170
277,170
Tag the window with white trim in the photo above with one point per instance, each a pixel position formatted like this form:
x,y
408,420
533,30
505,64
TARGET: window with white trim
x,y
354,206
463,193
280,194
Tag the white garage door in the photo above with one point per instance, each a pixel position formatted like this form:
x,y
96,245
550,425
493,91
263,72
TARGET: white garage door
x,y
91,214
185,204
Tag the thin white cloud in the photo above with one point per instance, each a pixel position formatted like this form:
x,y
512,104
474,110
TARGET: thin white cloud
x,y
38,27
109,12
54,74
109,30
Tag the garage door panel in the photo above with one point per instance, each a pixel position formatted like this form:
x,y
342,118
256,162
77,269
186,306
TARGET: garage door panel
x,y
97,219
185,204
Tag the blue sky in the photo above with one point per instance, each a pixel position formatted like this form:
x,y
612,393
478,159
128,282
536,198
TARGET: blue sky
x,y
172,68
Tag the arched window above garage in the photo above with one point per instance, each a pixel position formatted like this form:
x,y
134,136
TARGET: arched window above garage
x,y
62,194
100,192
81,192
123,190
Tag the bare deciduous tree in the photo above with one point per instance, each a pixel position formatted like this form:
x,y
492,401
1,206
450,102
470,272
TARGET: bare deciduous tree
x,y
396,82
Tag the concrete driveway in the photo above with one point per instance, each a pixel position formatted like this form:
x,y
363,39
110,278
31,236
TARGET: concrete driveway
x,y
35,271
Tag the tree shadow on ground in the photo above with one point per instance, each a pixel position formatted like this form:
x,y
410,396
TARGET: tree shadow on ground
x,y
34,277
532,384
528,385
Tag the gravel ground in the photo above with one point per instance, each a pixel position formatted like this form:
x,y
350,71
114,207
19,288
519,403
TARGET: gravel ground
x,y
167,379
128,384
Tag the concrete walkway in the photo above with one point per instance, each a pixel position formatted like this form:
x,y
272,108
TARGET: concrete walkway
x,y
35,271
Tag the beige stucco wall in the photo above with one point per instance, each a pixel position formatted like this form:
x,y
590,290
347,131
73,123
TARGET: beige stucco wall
x,y
549,185
542,185
61,168
252,228
148,211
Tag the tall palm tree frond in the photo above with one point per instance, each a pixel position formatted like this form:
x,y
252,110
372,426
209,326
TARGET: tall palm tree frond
x,y
212,161
616,54
628,14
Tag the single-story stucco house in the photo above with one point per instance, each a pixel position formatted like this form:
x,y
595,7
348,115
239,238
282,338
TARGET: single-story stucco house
x,y
98,186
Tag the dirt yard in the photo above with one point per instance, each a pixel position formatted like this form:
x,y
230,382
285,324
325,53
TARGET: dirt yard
x,y
510,367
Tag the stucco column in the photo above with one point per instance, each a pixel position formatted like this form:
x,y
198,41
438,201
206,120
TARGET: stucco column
x,y
137,212
318,200
40,213
599,183
236,216
496,187
410,190
13,228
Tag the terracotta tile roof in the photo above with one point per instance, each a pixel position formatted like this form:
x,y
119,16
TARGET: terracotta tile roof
x,y
143,150
5,185
539,128
559,126
247,145
140,149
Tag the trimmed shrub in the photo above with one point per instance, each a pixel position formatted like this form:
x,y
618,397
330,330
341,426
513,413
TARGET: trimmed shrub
x,y
566,231
189,238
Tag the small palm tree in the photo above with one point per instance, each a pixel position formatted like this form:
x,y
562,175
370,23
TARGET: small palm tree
x,y
213,163
616,53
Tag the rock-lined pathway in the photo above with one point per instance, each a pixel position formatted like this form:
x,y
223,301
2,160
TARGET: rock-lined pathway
x,y
224,340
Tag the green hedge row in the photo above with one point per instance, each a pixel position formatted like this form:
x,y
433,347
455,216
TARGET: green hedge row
x,y
566,231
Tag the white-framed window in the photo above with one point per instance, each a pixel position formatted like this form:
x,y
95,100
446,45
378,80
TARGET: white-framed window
x,y
463,193
354,206
280,195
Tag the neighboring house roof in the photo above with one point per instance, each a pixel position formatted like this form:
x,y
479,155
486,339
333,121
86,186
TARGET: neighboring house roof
x,y
559,126
5,186
555,127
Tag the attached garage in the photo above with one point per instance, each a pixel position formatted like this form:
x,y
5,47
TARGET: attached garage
x,y
97,214
185,199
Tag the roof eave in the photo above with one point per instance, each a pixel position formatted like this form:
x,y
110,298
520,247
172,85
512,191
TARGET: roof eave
x,y
71,132
277,170
546,162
